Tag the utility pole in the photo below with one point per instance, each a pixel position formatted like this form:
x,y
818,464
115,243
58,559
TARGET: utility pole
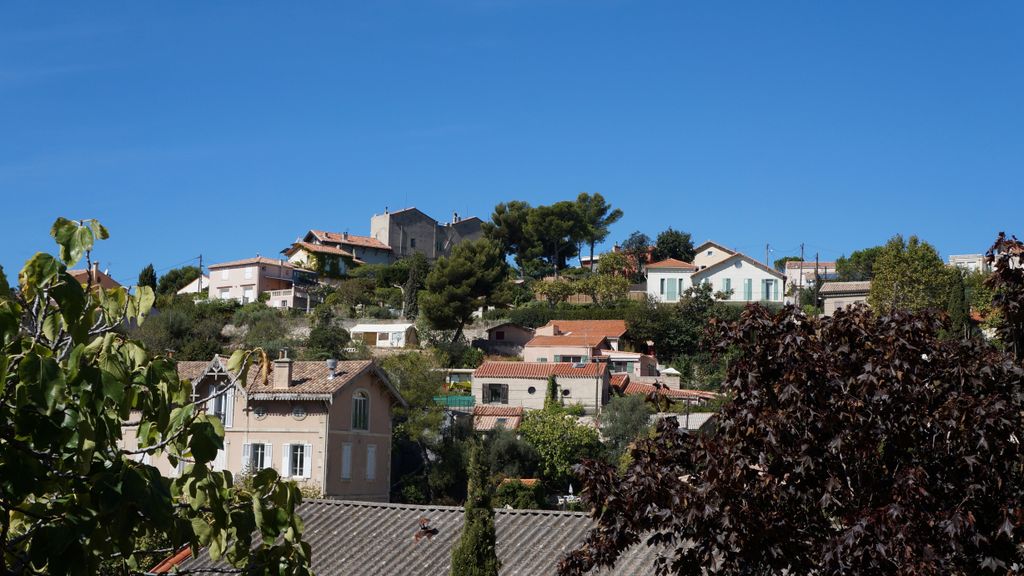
x,y
800,280
199,290
767,248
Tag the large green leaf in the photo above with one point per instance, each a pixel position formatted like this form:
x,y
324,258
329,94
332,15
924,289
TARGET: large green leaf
x,y
64,231
37,273
44,379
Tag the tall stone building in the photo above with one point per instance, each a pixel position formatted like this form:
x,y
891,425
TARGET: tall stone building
x,y
410,230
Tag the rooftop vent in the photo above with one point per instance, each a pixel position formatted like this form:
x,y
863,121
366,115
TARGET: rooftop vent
x,y
332,365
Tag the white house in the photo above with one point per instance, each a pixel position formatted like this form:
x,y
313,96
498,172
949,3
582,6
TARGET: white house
x,y
748,279
668,279
200,284
385,335
734,273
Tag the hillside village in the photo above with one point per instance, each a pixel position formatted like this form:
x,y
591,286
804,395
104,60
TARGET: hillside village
x,y
375,391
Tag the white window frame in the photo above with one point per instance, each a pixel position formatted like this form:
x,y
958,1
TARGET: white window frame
x,y
364,396
346,461
248,452
248,272
288,465
371,461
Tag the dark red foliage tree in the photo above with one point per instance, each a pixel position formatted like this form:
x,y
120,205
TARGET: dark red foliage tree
x,y
856,444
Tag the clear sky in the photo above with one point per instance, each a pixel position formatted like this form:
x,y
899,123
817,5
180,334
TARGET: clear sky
x,y
230,128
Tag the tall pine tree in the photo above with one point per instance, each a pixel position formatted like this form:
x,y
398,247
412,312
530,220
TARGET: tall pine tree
x,y
476,553
148,277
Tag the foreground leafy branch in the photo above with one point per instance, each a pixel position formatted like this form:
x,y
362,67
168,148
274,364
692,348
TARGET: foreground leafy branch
x,y
74,499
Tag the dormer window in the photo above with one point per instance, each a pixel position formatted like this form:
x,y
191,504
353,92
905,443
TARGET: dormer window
x,y
360,411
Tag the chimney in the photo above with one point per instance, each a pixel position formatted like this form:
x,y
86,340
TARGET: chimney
x,y
283,371
332,365
95,271
344,235
455,217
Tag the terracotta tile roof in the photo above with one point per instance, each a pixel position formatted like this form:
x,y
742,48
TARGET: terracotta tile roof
x,y
497,410
491,416
629,388
607,328
316,248
620,380
98,278
373,538
309,378
523,481
808,265
350,239
256,260
585,340
858,287
672,263
539,370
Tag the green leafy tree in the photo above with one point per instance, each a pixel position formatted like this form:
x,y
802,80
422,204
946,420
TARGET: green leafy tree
x,y
555,290
177,278
508,228
556,231
604,289
148,277
560,441
520,496
597,217
460,284
908,274
326,340
636,249
510,456
624,419
613,264
859,266
552,400
476,552
76,499
673,244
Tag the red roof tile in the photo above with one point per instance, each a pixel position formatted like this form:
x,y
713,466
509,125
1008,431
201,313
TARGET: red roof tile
x,y
317,248
99,278
585,340
351,239
607,328
672,263
497,410
539,370
630,388
620,380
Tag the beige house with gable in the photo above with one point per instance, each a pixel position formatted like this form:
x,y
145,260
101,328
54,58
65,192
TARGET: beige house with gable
x,y
524,384
329,428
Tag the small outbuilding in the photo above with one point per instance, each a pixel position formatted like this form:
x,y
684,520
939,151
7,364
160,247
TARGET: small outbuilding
x,y
401,335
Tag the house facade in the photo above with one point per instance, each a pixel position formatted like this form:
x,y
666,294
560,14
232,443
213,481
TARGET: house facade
x,y
583,348
198,286
525,384
409,231
734,276
326,428
361,249
970,262
804,273
245,280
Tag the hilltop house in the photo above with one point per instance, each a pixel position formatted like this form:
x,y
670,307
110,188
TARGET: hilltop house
x,y
525,384
246,280
736,276
327,425
612,330
804,273
410,230
199,285
334,254
95,277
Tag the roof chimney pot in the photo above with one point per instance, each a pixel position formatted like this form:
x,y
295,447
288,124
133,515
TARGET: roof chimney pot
x,y
283,371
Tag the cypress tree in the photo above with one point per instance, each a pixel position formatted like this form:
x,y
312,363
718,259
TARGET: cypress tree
x,y
551,400
476,554
959,312
148,277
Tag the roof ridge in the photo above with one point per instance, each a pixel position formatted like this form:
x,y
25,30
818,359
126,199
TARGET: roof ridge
x,y
408,506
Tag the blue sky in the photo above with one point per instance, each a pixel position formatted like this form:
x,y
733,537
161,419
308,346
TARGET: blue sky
x,y
230,128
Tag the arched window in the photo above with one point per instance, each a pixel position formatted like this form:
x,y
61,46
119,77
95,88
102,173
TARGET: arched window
x,y
360,411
